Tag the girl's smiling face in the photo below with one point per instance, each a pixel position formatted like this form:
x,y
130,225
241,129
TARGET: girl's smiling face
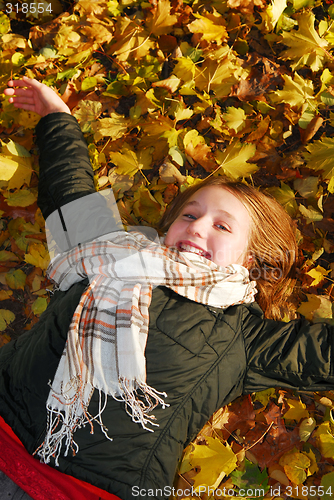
x,y
215,224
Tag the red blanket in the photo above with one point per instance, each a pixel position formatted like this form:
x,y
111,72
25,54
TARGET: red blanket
x,y
40,481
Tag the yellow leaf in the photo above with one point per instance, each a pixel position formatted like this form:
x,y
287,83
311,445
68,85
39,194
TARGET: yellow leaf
x,y
327,481
313,467
264,396
272,13
88,84
307,308
129,162
146,206
330,186
170,84
306,428
233,161
13,41
154,128
5,294
216,76
9,167
286,197
193,137
17,59
28,119
295,465
16,279
15,165
16,149
211,26
87,113
161,22
39,306
320,156
310,214
306,46
6,317
130,40
37,256
308,187
183,113
315,256
114,127
171,136
235,118
297,410
36,283
324,311
318,274
213,459
22,198
326,439
4,23
185,69
296,91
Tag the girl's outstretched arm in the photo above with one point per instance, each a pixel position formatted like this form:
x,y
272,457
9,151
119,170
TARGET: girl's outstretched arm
x,y
34,96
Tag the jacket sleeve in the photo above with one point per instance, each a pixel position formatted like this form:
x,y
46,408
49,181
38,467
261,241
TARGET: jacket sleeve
x,y
74,212
65,171
295,355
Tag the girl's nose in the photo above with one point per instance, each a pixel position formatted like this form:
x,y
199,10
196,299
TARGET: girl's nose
x,y
197,227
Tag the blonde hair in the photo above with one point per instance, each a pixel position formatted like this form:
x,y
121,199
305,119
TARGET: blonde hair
x,y
272,242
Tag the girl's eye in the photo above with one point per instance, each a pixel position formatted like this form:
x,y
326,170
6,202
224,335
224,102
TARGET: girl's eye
x,y
222,227
189,216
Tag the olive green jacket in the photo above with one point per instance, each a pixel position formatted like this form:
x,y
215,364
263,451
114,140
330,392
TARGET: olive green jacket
x,y
201,357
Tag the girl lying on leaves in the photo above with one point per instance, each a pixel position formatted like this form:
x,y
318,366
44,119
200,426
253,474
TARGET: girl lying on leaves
x,y
161,333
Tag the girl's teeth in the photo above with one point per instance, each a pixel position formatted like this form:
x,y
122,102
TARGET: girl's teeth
x,y
188,248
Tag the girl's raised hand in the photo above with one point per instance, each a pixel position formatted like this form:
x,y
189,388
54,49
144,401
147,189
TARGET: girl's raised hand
x,y
34,96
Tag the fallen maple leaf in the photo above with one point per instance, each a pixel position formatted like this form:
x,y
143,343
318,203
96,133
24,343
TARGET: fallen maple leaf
x,y
215,460
235,118
320,156
318,274
272,13
234,160
297,91
211,26
307,48
161,22
297,410
286,197
129,162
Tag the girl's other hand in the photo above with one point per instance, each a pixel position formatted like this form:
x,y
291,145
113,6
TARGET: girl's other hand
x,y
34,96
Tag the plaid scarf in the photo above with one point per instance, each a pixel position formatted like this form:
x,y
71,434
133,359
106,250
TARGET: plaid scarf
x,y
106,341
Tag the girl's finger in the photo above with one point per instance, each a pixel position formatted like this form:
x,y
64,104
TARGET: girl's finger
x,y
31,82
18,83
24,99
18,91
28,107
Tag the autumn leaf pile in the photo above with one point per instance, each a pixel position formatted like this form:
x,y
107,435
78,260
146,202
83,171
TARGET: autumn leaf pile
x,y
168,92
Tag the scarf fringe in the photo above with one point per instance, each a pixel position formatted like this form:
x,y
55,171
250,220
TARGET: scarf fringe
x,y
136,408
76,416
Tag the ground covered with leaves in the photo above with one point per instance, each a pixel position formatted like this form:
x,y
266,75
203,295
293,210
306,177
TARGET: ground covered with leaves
x,y
168,92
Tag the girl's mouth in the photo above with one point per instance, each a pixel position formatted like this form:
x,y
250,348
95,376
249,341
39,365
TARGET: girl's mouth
x,y
190,247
